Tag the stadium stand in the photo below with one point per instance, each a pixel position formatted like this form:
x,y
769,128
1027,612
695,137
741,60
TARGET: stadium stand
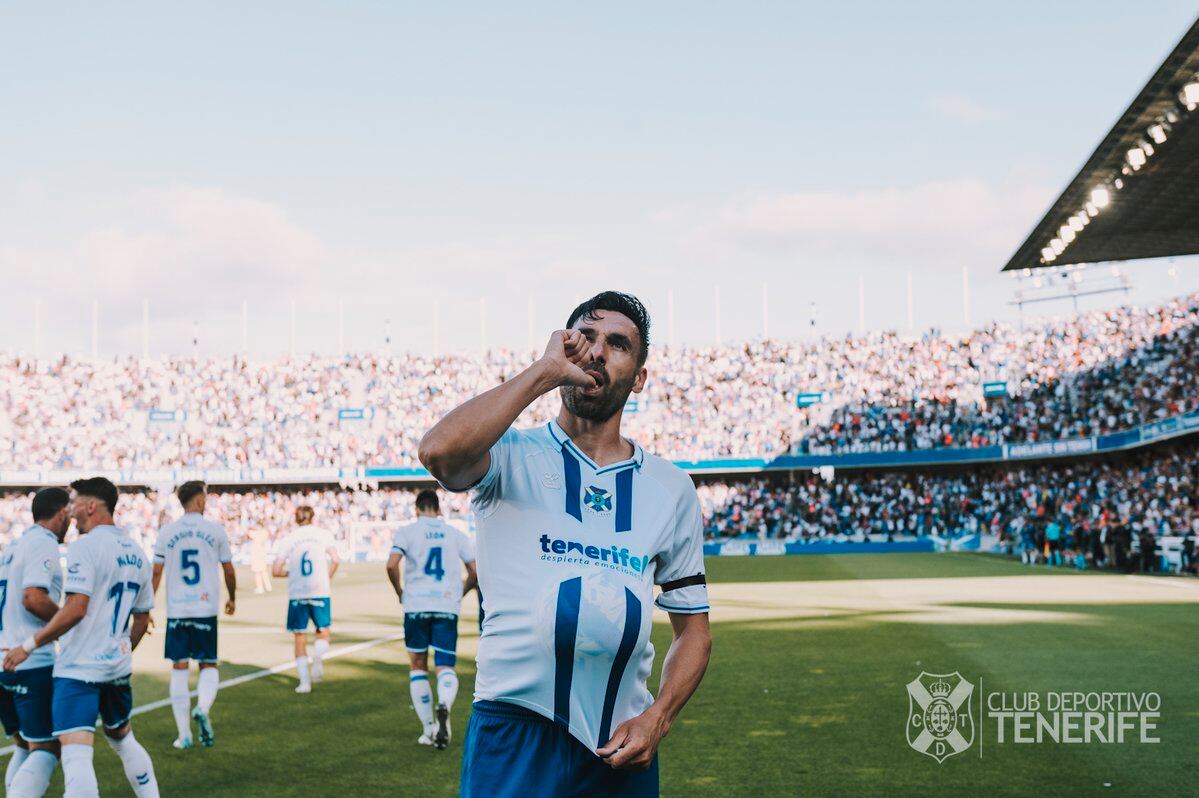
x,y
1086,375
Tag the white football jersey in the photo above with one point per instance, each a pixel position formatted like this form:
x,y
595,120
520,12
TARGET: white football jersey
x,y
568,554
306,552
432,551
191,550
108,566
31,560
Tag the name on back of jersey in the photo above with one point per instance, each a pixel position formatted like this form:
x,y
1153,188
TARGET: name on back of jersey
x,y
191,534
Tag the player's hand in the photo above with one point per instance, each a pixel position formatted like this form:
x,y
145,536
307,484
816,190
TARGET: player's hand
x,y
15,657
230,607
565,355
635,741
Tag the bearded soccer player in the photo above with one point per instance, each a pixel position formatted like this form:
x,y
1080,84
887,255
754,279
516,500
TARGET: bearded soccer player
x,y
575,526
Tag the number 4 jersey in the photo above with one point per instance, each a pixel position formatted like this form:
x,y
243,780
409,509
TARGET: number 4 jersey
x,y
191,550
113,571
432,552
569,553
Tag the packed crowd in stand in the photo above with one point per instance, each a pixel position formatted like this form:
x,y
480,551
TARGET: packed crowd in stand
x,y
1056,510
1092,373
1075,506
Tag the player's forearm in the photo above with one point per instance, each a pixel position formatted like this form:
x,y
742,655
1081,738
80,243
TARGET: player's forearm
x,y
231,581
454,449
67,617
682,670
137,630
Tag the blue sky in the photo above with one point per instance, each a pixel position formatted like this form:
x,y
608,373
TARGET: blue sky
x,y
394,157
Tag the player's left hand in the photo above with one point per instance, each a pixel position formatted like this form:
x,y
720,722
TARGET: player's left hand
x,y
230,607
15,657
635,741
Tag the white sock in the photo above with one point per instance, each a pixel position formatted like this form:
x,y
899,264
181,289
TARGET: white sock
x,y
33,778
302,669
138,767
77,772
422,697
447,687
14,764
181,703
319,650
206,688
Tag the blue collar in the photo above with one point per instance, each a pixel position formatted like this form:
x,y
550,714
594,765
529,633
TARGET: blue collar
x,y
563,441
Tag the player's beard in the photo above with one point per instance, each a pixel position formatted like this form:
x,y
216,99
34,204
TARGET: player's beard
x,y
601,407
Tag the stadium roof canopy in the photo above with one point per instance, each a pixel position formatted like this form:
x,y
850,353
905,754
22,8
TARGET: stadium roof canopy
x,y
1137,196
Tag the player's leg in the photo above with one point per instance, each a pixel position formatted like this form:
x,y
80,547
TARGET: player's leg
x,y
12,726
75,707
297,624
322,619
204,650
116,707
34,707
177,650
445,647
417,636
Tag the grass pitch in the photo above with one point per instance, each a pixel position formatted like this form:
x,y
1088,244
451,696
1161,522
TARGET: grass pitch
x,y
805,694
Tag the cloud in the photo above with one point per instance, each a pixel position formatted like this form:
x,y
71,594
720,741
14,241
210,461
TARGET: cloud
x,y
961,109
188,239
934,219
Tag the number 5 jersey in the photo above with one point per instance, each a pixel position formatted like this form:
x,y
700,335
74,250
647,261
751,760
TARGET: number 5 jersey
x,y
191,550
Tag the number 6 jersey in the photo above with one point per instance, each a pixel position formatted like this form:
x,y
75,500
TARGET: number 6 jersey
x,y
191,550
306,552
432,552
568,555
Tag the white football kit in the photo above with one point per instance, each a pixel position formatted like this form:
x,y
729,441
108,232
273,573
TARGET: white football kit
x,y
432,551
106,565
191,550
306,552
568,555
32,560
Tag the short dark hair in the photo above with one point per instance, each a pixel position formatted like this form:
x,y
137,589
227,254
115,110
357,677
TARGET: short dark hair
x,y
98,488
48,501
190,490
427,500
304,515
617,302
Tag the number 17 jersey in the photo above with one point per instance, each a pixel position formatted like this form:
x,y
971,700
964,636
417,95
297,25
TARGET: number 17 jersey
x,y
432,551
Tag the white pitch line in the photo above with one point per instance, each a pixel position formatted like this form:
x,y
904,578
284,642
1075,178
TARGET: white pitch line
x,y
249,677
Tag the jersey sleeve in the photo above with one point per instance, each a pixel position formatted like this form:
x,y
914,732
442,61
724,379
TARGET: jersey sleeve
x,y
81,569
488,491
39,569
145,593
681,567
160,547
466,546
224,552
399,542
281,550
